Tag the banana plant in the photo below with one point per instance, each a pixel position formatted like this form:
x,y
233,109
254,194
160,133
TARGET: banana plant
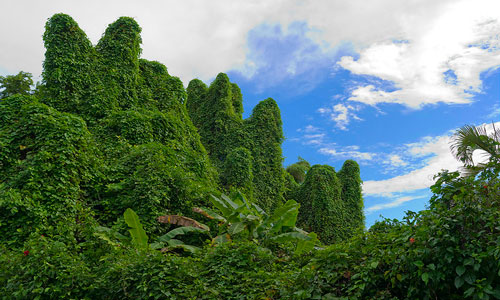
x,y
139,238
239,218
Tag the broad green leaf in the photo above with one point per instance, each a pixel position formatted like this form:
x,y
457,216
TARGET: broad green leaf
x,y
425,277
236,228
283,216
460,270
179,231
174,243
418,263
139,236
459,282
304,246
221,205
220,239
230,202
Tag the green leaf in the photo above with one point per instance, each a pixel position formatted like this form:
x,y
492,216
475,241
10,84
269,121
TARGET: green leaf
x,y
459,281
221,239
179,231
460,270
469,262
291,236
399,277
221,205
425,277
374,264
470,278
304,246
139,236
236,228
283,216
418,263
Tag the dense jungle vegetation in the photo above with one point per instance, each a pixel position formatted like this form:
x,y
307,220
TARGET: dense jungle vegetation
x,y
116,182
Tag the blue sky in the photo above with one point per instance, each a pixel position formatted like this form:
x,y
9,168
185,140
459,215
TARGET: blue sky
x,y
382,82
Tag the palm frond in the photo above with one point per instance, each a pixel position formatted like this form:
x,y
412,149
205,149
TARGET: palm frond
x,y
470,138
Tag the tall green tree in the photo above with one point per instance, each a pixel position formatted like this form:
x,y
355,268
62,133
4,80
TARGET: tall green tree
x,y
16,84
298,170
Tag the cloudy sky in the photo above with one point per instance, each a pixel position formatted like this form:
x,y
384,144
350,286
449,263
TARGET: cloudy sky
x,y
382,82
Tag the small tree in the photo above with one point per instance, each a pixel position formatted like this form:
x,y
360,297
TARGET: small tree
x,y
16,84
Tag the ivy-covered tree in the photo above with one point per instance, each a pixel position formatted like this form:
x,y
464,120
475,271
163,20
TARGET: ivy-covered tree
x,y
265,133
119,50
196,93
70,82
352,195
16,84
47,163
237,171
321,207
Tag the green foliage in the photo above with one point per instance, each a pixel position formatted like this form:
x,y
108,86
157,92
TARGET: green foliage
x,y
450,251
48,162
298,170
241,219
139,236
16,84
70,80
352,195
153,179
44,269
468,139
217,113
119,50
322,209
265,132
237,172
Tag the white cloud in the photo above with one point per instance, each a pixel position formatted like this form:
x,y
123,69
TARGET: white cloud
x,y
394,203
396,161
347,153
436,156
341,114
420,178
462,39
196,38
495,112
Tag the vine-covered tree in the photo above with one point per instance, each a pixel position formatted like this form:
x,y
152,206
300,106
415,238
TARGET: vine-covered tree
x,y
352,195
321,207
264,128
119,50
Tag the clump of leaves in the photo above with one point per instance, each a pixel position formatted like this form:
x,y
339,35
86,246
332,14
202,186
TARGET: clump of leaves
x,y
242,219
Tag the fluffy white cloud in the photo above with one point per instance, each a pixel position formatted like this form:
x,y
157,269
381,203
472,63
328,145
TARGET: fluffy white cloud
x,y
349,152
341,114
438,148
440,58
396,161
394,203
197,38
436,155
